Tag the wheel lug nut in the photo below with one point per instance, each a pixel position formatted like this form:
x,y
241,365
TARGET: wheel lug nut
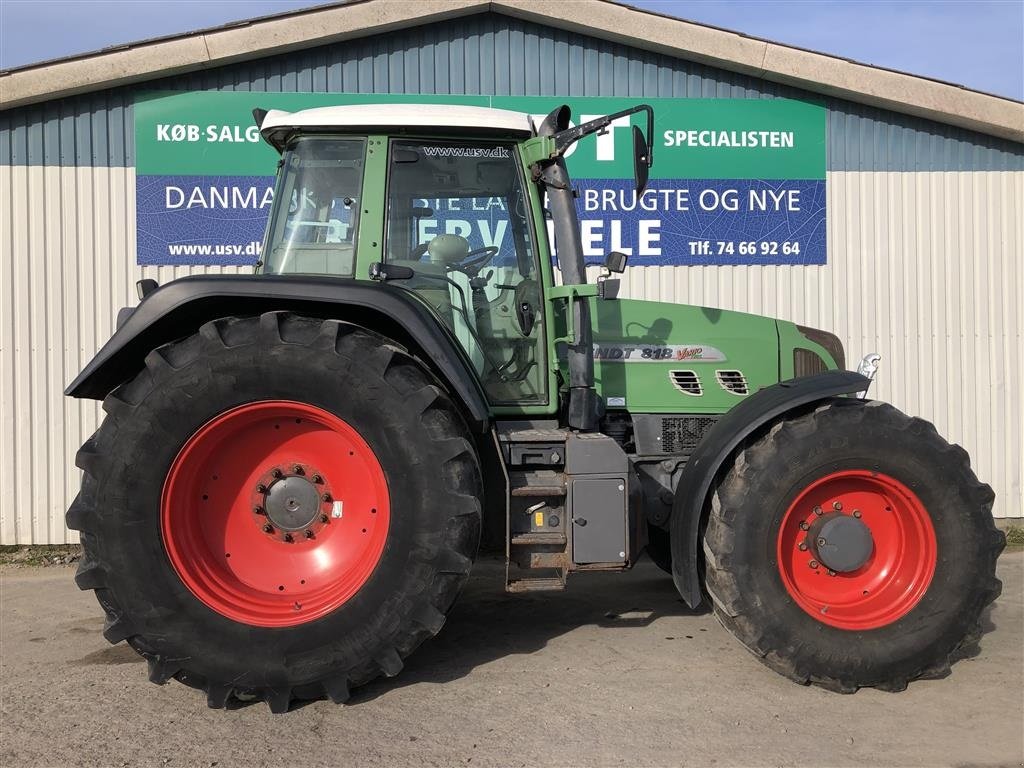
x,y
288,538
831,572
309,534
317,479
277,474
326,497
837,506
803,525
813,563
803,546
856,513
268,528
261,488
259,511
324,518
298,470
817,510
821,541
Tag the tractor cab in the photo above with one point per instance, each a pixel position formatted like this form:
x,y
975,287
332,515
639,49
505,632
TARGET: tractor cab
x,y
453,210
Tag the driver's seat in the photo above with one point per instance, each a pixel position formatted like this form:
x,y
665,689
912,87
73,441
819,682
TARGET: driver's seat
x,y
445,299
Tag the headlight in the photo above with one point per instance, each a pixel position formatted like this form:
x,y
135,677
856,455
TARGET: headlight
x,y
807,363
825,339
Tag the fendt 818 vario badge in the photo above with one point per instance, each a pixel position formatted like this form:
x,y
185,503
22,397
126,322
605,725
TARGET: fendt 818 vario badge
x,y
289,487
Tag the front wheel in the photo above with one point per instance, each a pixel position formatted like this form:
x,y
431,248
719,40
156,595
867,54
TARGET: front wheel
x,y
852,547
277,507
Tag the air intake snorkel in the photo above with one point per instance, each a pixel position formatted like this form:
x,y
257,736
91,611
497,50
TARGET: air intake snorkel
x,y
554,136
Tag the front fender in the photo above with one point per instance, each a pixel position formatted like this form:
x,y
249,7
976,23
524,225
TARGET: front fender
x,y
179,308
714,450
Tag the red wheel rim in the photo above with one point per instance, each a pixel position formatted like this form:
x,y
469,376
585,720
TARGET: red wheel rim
x,y
895,575
235,503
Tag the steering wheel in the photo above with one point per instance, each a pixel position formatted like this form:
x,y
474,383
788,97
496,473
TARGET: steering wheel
x,y
466,262
471,266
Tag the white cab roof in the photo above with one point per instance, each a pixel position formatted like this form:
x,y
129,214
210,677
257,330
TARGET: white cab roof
x,y
434,117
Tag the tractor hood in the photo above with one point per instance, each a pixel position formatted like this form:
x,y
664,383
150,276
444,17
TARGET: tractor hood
x,y
653,357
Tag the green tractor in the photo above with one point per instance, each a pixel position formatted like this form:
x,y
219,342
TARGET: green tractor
x,y
296,466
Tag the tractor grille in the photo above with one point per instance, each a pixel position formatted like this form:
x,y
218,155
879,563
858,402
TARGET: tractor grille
x,y
686,382
681,434
733,381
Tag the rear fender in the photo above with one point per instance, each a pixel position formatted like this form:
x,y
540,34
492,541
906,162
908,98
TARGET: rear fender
x,y
179,308
715,450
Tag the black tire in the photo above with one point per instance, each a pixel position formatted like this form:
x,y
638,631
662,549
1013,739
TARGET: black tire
x,y
743,577
399,409
659,547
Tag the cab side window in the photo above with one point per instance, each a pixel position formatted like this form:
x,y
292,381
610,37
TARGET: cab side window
x,y
316,232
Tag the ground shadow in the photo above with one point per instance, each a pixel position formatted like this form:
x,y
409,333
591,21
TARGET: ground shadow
x,y
971,646
122,653
488,624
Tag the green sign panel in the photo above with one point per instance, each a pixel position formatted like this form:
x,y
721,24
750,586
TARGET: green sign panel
x,y
734,181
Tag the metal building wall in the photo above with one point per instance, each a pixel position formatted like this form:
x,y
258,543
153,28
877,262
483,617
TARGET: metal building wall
x,y
925,242
926,269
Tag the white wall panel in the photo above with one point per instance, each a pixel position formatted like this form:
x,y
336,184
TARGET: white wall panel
x,y
67,264
924,268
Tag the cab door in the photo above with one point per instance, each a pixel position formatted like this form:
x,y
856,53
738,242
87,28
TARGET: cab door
x,y
458,215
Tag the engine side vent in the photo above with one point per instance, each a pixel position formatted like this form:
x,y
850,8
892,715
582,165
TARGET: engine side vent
x,y
686,382
681,434
677,434
733,381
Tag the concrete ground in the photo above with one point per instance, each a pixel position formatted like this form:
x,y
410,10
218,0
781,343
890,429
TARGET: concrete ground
x,y
615,671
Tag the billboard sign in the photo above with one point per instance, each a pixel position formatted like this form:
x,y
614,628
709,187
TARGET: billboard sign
x,y
734,181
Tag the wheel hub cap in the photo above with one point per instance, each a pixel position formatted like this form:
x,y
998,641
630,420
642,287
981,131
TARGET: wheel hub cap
x,y
275,513
292,503
856,549
842,542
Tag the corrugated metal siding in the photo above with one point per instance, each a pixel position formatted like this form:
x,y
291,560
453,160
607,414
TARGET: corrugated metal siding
x,y
949,329
67,245
924,267
491,54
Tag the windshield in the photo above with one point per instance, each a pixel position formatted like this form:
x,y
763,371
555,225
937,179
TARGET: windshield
x,y
315,233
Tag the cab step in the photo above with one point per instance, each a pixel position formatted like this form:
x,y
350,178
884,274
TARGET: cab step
x,y
533,443
537,552
539,540
537,483
542,435
536,585
539,490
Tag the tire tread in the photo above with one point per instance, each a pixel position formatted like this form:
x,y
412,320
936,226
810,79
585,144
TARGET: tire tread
x,y
449,562
724,578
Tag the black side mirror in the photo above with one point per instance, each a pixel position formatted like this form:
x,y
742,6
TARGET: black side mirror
x,y
608,289
641,160
616,262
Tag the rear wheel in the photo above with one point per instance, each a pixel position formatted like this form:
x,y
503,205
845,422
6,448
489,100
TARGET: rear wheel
x,y
852,547
277,508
